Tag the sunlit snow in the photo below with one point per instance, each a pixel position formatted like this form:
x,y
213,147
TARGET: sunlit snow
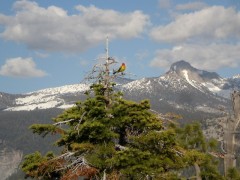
x,y
215,89
47,98
185,73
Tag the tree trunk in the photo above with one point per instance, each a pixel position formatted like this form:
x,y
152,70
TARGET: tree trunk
x,y
198,171
229,134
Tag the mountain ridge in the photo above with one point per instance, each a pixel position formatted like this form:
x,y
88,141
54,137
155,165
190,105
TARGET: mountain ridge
x,y
195,94
182,87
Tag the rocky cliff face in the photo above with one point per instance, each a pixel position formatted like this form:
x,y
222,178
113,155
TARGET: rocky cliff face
x,y
9,161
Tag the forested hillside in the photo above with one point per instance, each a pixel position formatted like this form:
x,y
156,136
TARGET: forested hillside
x,y
16,138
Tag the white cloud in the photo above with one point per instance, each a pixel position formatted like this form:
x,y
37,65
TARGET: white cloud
x,y
212,23
210,57
41,55
191,6
52,29
164,4
21,67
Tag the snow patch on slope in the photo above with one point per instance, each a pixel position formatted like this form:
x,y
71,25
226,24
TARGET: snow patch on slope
x,y
142,84
64,89
212,87
236,76
30,107
216,90
185,73
47,98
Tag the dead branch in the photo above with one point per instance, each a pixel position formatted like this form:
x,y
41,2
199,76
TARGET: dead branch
x,y
222,147
63,122
79,122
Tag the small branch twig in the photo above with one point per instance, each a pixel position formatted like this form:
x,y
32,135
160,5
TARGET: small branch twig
x,y
79,122
63,122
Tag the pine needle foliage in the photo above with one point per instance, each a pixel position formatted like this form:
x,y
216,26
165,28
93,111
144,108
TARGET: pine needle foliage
x,y
121,140
94,135
108,137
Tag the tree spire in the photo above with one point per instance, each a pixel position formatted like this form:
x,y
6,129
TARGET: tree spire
x,y
107,78
107,73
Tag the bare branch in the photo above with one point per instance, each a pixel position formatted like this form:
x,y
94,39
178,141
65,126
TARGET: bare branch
x,y
64,156
80,120
79,162
222,147
63,122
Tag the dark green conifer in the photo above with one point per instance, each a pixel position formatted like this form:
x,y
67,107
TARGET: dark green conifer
x,y
108,137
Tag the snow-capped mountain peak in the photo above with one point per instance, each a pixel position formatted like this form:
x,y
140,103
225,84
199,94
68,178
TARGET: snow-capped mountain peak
x,y
181,67
182,87
200,79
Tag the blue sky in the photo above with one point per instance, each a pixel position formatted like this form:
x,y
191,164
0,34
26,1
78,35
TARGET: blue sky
x,y
53,43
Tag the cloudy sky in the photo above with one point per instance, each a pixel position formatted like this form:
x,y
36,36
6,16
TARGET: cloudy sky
x,y
53,43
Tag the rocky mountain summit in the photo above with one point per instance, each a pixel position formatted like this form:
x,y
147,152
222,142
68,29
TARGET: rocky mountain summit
x,y
183,89
195,94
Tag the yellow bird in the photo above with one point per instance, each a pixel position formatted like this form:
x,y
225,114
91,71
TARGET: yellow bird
x,y
121,69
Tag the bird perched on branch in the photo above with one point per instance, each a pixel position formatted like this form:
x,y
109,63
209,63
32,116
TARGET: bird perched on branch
x,y
121,69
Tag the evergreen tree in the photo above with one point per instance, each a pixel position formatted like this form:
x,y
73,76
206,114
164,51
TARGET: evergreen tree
x,y
123,140
191,138
233,174
108,137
